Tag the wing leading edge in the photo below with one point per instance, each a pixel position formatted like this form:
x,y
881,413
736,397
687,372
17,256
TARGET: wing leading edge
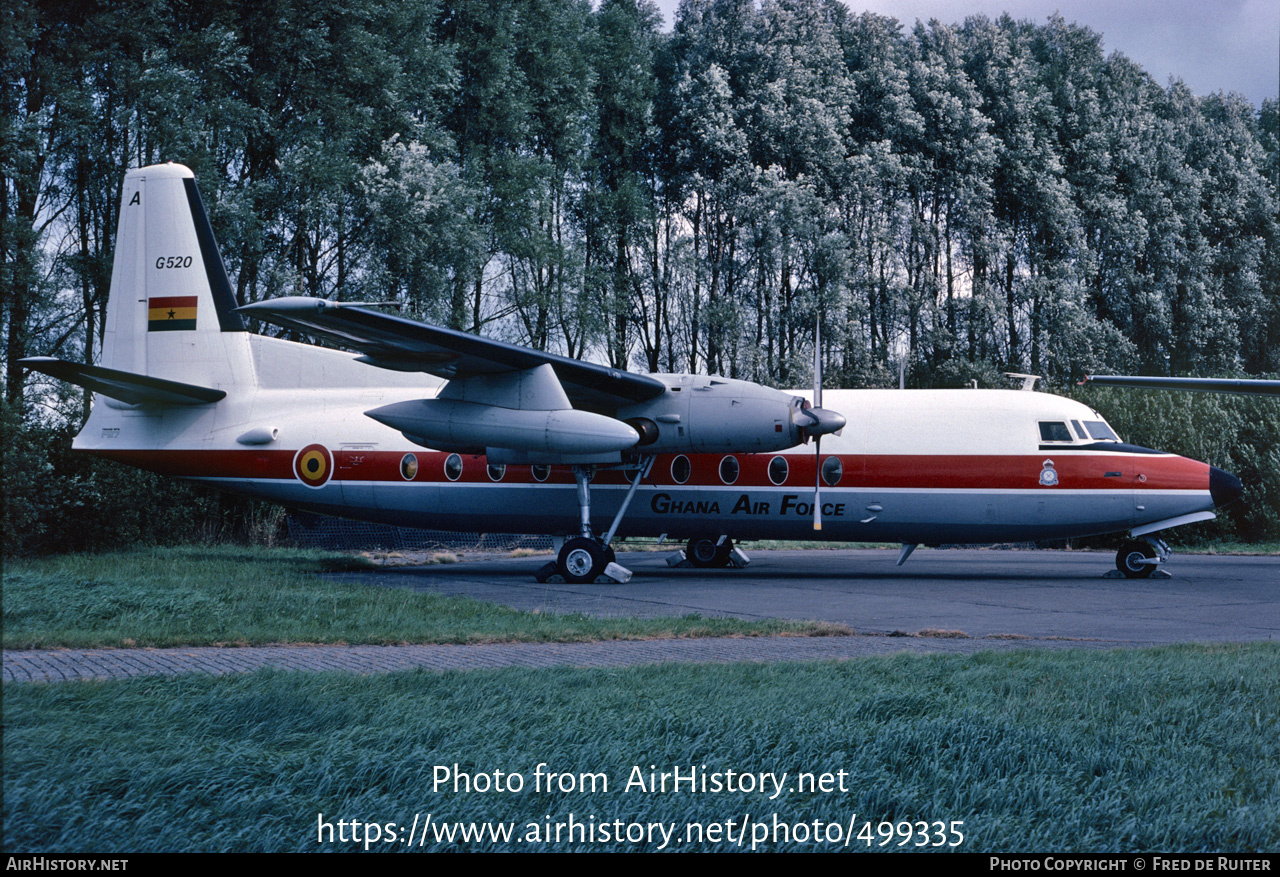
x,y
400,344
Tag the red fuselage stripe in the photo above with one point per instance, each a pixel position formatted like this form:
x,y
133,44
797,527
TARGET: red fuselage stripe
x,y
939,472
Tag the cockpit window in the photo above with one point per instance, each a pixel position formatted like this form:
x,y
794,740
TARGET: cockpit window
x,y
1080,433
1100,431
1054,431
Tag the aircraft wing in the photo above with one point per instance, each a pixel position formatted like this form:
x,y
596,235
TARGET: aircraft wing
x,y
1201,385
400,344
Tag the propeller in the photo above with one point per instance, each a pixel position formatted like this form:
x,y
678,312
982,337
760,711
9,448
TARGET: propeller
x,y
814,422
817,439
822,422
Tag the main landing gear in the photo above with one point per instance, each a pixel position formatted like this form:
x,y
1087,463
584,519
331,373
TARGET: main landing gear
x,y
1138,558
585,558
710,553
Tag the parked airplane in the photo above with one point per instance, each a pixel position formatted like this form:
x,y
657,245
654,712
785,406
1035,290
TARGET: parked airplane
x,y
435,428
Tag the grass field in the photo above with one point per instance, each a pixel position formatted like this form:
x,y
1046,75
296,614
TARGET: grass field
x,y
245,596
1172,749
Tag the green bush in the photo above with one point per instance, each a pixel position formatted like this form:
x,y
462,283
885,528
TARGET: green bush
x,y
57,500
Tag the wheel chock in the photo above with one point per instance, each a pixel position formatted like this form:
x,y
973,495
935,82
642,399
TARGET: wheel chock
x,y
1155,574
617,573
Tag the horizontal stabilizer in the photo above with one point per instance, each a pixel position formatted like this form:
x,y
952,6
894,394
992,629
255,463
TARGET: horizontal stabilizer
x,y
128,387
398,343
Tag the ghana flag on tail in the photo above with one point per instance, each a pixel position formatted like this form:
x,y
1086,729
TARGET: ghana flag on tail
x,y
171,313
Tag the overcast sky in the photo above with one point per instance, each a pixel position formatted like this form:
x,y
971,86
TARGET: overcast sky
x,y
1212,45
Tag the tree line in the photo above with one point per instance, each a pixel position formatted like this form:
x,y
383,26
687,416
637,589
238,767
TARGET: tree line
x,y
954,200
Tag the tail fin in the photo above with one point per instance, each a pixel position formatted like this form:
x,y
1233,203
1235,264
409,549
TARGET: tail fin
x,y
171,313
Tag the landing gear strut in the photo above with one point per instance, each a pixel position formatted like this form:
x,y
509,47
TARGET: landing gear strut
x,y
583,559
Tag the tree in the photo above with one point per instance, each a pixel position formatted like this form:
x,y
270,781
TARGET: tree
x,y
620,195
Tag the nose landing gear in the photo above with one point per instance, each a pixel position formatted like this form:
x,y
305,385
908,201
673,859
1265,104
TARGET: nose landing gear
x,y
1139,558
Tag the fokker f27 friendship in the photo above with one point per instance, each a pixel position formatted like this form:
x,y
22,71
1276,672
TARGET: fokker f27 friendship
x,y
429,427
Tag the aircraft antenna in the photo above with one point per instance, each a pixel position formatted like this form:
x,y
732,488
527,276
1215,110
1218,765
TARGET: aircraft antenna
x,y
1028,381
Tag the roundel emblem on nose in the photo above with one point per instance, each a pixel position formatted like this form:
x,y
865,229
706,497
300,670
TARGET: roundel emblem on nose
x,y
1049,475
313,465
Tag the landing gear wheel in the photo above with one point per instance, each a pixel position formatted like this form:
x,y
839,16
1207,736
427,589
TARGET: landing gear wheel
x,y
1132,559
708,553
581,560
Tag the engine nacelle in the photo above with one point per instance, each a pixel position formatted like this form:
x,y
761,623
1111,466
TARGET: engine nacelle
x,y
450,423
708,414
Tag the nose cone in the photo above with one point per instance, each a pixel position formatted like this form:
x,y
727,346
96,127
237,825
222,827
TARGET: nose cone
x,y
1224,487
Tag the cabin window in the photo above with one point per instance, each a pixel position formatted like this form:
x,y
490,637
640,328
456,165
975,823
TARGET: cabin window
x,y
832,470
408,467
496,471
1100,431
541,472
453,467
1054,431
778,470
680,469
729,470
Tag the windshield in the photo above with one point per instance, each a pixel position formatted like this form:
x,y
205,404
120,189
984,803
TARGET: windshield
x,y
1100,431
1054,431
